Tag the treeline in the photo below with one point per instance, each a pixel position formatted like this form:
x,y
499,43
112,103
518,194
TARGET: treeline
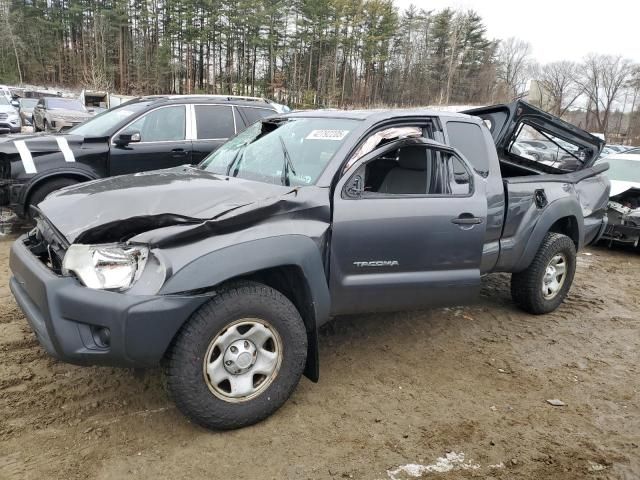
x,y
305,53
302,52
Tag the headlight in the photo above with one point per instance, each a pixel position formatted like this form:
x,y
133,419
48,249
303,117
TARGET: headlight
x,y
13,116
107,267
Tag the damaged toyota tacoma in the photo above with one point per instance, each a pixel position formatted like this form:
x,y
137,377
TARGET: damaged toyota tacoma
x,y
223,272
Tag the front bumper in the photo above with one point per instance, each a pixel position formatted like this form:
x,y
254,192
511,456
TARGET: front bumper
x,y
69,319
13,128
60,124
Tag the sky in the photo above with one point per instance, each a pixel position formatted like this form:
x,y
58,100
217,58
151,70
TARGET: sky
x,y
556,29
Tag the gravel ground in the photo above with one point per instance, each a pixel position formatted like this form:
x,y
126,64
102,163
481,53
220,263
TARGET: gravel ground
x,y
450,393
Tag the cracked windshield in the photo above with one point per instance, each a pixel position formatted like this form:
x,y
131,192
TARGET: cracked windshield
x,y
291,153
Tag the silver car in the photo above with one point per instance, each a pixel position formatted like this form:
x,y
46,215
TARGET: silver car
x,y
55,114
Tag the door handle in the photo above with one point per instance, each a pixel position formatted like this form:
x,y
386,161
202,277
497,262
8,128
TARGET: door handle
x,y
179,152
466,219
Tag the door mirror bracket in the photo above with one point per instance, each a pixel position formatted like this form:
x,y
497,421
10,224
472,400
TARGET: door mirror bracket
x,y
354,188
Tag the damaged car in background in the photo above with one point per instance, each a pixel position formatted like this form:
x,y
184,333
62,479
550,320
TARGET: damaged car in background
x,y
146,133
624,203
223,272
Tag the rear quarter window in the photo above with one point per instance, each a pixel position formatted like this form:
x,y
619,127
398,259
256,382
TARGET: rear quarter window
x,y
470,141
214,121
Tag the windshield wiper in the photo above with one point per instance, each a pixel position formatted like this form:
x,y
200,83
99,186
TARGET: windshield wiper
x,y
287,165
235,159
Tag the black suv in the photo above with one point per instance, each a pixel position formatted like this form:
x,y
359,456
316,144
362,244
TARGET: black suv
x,y
146,133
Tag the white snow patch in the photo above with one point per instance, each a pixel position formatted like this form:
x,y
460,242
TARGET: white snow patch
x,y
451,461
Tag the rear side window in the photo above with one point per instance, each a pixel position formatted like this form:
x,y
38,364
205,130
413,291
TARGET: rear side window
x,y
470,141
532,143
214,121
255,114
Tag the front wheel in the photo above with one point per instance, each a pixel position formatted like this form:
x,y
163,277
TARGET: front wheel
x,y
544,285
238,358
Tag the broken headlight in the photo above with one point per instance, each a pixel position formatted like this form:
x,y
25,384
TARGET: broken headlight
x,y
105,267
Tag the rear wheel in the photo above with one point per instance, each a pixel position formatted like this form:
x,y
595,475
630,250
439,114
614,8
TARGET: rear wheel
x,y
238,358
40,193
544,285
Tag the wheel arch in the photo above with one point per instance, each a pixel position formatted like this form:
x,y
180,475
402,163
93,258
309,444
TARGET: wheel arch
x,y
291,264
41,180
562,216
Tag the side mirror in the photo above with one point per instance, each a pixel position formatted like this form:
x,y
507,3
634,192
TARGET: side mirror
x,y
15,104
125,139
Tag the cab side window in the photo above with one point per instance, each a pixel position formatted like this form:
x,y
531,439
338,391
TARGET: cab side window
x,y
161,125
412,170
469,140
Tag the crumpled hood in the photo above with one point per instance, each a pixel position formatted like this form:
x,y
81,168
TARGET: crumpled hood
x,y
144,201
618,187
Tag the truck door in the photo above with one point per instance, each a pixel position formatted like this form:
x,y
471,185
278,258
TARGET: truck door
x,y
408,228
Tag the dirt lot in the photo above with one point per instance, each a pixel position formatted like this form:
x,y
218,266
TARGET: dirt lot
x,y
454,393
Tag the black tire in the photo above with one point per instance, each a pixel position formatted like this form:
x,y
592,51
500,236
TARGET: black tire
x,y
526,286
184,374
40,192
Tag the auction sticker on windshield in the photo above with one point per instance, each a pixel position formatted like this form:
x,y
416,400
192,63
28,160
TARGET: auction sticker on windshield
x,y
327,134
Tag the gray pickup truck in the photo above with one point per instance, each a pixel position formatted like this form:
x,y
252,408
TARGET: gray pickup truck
x,y
224,272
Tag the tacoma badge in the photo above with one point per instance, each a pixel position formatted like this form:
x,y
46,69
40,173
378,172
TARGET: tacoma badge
x,y
378,263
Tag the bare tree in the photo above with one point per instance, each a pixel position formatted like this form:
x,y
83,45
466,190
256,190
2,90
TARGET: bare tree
x,y
601,80
514,59
558,79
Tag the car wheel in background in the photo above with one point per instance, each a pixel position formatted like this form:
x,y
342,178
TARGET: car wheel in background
x,y
41,191
544,285
238,358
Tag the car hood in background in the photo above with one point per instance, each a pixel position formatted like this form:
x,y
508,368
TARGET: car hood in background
x,y
34,153
619,186
116,208
63,113
8,109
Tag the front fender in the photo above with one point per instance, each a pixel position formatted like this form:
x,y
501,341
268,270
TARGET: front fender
x,y
234,261
238,260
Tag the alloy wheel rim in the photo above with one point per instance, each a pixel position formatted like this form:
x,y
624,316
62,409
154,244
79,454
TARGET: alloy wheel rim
x,y
554,276
242,360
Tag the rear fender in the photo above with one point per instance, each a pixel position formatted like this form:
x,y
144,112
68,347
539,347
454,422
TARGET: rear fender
x,y
557,210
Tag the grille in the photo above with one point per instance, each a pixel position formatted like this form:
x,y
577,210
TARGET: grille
x,y
73,119
3,116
